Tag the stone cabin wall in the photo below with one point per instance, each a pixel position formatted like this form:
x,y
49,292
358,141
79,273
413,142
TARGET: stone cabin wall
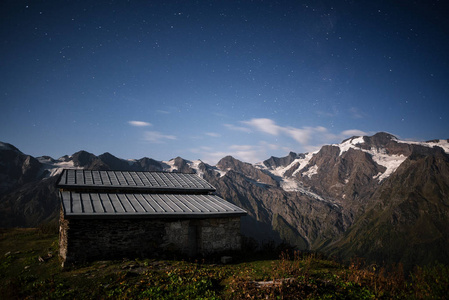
x,y
97,239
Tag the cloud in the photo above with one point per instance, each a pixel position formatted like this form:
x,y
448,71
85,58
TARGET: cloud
x,y
264,125
241,147
164,112
353,132
238,128
157,137
301,135
139,123
245,153
213,134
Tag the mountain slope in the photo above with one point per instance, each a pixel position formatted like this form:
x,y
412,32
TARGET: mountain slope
x,y
410,217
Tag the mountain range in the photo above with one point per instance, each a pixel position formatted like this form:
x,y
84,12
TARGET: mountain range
x,y
375,197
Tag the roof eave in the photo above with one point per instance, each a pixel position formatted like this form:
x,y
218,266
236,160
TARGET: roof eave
x,y
99,216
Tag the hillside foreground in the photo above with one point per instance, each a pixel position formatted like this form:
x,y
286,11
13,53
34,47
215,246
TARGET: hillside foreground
x,y
30,269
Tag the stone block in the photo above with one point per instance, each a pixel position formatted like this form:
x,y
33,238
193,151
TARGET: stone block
x,y
226,259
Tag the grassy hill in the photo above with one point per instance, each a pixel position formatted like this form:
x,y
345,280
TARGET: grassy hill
x,y
30,269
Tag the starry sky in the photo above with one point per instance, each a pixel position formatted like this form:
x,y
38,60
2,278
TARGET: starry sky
x,y
206,79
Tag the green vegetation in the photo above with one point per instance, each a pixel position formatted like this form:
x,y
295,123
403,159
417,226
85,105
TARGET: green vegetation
x,y
30,269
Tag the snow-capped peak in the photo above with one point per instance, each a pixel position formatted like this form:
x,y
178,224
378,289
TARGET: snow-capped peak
x,y
55,167
350,143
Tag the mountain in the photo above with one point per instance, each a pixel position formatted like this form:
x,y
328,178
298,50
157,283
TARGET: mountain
x,y
376,197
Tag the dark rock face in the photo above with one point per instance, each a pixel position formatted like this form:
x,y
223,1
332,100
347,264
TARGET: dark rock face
x,y
16,168
246,169
182,166
274,162
148,164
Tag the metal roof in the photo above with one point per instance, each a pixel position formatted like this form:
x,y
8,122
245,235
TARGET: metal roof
x,y
99,205
132,181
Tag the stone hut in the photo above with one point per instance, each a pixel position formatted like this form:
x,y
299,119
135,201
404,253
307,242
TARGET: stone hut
x,y
117,214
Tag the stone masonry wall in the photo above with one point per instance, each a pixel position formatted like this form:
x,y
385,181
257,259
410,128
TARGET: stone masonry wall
x,y
89,239
217,235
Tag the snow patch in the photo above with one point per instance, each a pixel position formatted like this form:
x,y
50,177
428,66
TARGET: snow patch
x,y
303,162
280,171
55,167
171,166
196,166
292,185
311,171
391,162
289,185
221,172
440,143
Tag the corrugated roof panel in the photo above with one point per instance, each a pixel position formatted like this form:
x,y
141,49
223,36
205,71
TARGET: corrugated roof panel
x,y
185,207
203,206
136,203
107,203
97,203
87,203
154,204
143,179
160,181
137,179
77,205
117,203
190,206
216,202
126,204
164,203
113,178
88,178
121,178
66,202
145,205
129,179
79,179
105,178
97,178
149,181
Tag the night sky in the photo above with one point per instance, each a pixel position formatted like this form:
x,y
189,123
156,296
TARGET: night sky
x,y
206,79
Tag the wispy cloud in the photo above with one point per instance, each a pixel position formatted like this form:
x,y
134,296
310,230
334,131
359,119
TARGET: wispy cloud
x,y
246,153
238,128
301,135
139,123
157,137
264,125
164,112
213,134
